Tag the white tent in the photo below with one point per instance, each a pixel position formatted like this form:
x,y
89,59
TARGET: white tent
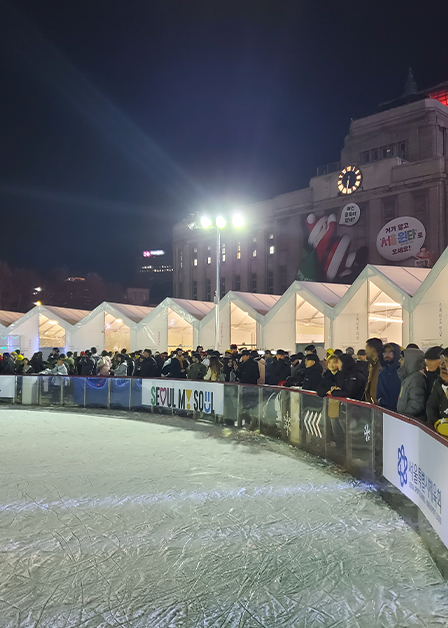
x,y
241,316
430,307
173,323
378,304
8,340
303,315
110,326
45,327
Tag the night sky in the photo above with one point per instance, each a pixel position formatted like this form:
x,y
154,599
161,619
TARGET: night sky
x,y
121,117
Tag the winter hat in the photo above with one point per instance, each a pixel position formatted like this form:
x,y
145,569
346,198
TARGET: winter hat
x,y
433,353
312,357
347,360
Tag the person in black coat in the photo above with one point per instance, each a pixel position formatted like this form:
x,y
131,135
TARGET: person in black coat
x,y
328,380
37,362
248,371
432,366
148,366
177,368
361,363
313,372
87,364
350,382
280,370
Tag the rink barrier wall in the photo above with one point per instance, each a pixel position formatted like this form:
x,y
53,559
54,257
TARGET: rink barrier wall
x,y
401,458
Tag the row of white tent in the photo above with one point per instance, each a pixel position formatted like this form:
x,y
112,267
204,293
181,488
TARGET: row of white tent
x,y
397,304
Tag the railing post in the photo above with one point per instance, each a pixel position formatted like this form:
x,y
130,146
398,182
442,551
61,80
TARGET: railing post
x,y
39,388
108,393
61,394
15,389
325,421
260,407
85,391
130,392
238,406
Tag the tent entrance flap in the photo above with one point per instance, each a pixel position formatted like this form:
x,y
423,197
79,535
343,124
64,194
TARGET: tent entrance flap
x,y
117,335
310,323
243,328
385,316
51,333
180,332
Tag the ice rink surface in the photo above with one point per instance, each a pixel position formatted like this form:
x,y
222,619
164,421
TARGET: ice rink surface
x,y
108,522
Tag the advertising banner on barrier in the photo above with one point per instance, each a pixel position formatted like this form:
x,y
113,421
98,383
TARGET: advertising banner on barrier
x,y
7,386
207,397
417,465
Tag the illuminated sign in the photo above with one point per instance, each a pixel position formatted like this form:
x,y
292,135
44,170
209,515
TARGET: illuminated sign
x,y
153,253
401,239
350,215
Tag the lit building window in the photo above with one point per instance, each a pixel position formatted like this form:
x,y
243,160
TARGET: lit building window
x,y
254,239
180,259
209,260
254,253
195,250
209,248
238,251
271,236
271,250
195,262
223,252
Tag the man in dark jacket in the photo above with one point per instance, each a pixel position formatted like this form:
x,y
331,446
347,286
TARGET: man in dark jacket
x,y
196,370
8,366
248,371
87,364
389,384
437,405
148,366
349,381
268,366
412,399
432,366
362,364
281,370
313,372
177,368
374,348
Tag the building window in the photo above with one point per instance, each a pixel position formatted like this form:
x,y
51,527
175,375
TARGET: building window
x,y
180,291
365,157
181,259
209,248
420,206
254,253
195,262
237,282
223,287
254,239
253,282
208,289
375,154
195,249
195,290
389,209
271,250
271,236
195,256
223,252
270,282
402,148
209,260
282,278
238,250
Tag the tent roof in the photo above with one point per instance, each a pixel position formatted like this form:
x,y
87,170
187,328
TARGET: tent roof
x,y
134,312
328,293
198,309
407,278
69,315
6,318
261,303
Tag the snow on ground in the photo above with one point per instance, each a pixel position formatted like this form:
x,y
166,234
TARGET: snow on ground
x,y
107,522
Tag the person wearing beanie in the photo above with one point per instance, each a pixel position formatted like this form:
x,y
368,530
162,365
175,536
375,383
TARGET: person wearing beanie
x,y
350,382
313,372
389,384
432,366
412,399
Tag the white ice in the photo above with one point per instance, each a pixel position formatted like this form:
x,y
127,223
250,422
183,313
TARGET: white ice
x,y
109,522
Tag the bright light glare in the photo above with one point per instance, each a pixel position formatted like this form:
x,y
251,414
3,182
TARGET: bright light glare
x,y
205,221
237,221
53,322
220,222
38,303
38,289
118,320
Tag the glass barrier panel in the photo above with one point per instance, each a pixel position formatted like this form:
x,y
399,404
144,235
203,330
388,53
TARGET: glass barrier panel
x,y
249,407
136,395
68,388
312,419
296,430
7,389
97,389
48,392
28,393
120,393
271,415
360,436
79,391
231,404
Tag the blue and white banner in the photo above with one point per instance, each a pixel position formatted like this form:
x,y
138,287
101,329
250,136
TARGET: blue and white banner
x,y
7,386
207,397
417,465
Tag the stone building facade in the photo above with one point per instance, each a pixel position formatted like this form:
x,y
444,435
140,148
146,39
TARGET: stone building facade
x,y
385,202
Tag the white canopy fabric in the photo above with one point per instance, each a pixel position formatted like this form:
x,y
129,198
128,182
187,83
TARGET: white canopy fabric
x,y
69,315
7,318
134,313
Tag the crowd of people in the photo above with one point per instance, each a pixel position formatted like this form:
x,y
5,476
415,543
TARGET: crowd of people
x,y
407,381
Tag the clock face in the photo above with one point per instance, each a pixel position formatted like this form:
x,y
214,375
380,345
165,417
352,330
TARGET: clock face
x,y
349,180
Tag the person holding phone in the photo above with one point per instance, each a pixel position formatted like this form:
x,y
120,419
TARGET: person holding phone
x,y
437,405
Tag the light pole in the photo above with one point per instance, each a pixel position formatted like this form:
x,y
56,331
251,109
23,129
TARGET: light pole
x,y
219,222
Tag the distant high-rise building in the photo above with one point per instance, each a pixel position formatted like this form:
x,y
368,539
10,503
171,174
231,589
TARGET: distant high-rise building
x,y
155,272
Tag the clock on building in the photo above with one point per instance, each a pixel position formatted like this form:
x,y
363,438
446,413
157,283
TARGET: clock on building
x,y
349,180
